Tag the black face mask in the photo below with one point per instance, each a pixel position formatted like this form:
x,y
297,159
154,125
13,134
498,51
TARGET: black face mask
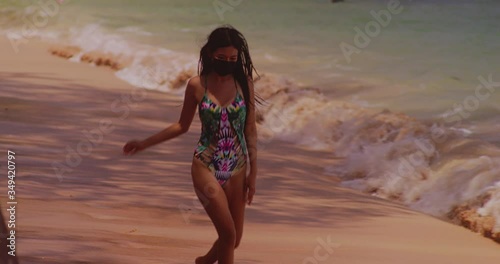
x,y
224,68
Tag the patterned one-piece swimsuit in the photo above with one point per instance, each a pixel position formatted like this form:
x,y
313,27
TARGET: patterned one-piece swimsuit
x,y
222,145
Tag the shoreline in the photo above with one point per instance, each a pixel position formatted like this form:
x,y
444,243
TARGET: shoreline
x,y
115,209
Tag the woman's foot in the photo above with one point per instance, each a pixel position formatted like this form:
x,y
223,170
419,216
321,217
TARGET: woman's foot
x,y
200,260
204,260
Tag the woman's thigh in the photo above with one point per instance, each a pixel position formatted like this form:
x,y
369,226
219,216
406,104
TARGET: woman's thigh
x,y
212,197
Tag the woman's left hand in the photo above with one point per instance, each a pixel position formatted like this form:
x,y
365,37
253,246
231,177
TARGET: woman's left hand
x,y
250,187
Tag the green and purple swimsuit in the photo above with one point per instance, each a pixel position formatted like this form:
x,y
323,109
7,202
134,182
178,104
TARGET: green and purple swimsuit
x,y
222,147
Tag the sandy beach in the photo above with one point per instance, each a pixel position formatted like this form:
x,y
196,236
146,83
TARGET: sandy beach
x,y
81,201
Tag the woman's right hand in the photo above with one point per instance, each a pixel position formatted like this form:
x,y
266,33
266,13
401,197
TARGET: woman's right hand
x,y
132,147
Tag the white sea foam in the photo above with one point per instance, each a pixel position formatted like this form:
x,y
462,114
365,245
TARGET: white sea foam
x,y
144,65
492,206
429,167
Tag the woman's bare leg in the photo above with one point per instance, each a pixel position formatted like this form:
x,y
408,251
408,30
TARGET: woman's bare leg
x,y
214,200
235,193
210,257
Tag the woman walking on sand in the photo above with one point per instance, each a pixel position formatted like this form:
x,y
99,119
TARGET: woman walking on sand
x,y
224,94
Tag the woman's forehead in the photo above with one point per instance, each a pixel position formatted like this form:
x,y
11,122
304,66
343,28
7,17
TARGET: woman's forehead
x,y
229,51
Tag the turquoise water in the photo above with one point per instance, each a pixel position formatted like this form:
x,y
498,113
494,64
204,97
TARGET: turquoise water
x,y
430,49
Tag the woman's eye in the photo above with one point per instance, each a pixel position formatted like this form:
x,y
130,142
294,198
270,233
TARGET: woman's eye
x,y
225,59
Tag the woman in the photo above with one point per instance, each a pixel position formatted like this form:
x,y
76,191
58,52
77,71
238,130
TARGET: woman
x,y
224,94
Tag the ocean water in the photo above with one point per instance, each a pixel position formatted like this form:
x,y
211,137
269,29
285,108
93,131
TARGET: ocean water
x,y
405,93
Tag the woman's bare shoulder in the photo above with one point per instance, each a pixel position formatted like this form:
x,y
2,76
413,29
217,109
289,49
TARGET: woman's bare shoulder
x,y
194,81
195,87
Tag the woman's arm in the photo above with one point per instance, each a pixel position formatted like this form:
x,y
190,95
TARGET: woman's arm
x,y
182,126
251,140
251,131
